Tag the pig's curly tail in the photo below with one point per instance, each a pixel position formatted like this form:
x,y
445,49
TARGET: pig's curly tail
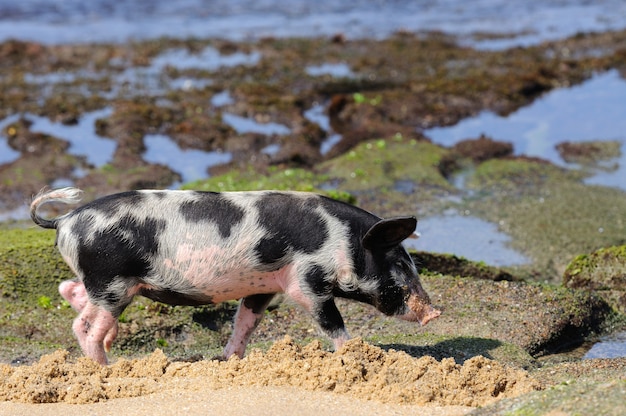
x,y
64,195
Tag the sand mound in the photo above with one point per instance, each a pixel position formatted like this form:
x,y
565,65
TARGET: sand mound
x,y
358,369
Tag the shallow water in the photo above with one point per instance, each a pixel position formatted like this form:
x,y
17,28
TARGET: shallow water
x,y
191,164
7,154
591,111
82,136
611,346
107,20
244,125
339,70
465,236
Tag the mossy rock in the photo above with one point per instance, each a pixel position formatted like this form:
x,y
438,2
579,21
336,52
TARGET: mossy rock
x,y
34,319
379,164
603,271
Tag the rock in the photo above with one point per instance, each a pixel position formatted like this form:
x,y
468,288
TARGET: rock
x,y
604,272
539,318
457,266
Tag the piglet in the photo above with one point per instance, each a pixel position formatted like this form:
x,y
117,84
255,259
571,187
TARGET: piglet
x,y
198,248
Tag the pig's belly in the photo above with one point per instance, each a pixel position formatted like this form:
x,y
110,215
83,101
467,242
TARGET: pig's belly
x,y
238,285
212,274
204,287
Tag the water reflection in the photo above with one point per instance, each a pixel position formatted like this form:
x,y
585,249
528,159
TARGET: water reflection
x,y
221,99
209,59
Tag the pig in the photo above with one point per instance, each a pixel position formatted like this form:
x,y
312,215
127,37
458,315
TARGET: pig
x,y
197,248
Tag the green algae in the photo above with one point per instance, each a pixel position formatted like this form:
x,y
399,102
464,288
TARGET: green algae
x,y
392,176
601,270
33,317
590,154
517,175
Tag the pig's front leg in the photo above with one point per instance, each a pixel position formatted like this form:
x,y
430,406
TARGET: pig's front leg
x,y
247,318
314,293
329,319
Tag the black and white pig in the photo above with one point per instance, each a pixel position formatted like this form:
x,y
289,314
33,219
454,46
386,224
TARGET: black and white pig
x,y
197,248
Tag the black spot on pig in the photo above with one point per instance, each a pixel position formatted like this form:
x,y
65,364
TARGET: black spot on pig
x,y
213,207
119,252
291,223
272,251
257,303
316,282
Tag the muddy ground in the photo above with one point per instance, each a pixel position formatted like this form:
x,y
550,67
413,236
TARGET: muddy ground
x,y
519,317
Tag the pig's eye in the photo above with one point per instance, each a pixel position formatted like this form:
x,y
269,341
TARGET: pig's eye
x,y
404,267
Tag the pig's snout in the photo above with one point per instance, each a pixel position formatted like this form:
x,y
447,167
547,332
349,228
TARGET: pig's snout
x,y
420,310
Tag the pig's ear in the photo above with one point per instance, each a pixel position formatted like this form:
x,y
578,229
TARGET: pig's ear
x,y
389,232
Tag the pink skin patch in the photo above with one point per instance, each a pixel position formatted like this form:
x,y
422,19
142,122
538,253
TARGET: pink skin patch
x,y
339,341
221,273
226,274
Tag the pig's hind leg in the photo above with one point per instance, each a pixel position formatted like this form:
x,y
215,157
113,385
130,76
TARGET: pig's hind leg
x,y
74,292
249,314
95,328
